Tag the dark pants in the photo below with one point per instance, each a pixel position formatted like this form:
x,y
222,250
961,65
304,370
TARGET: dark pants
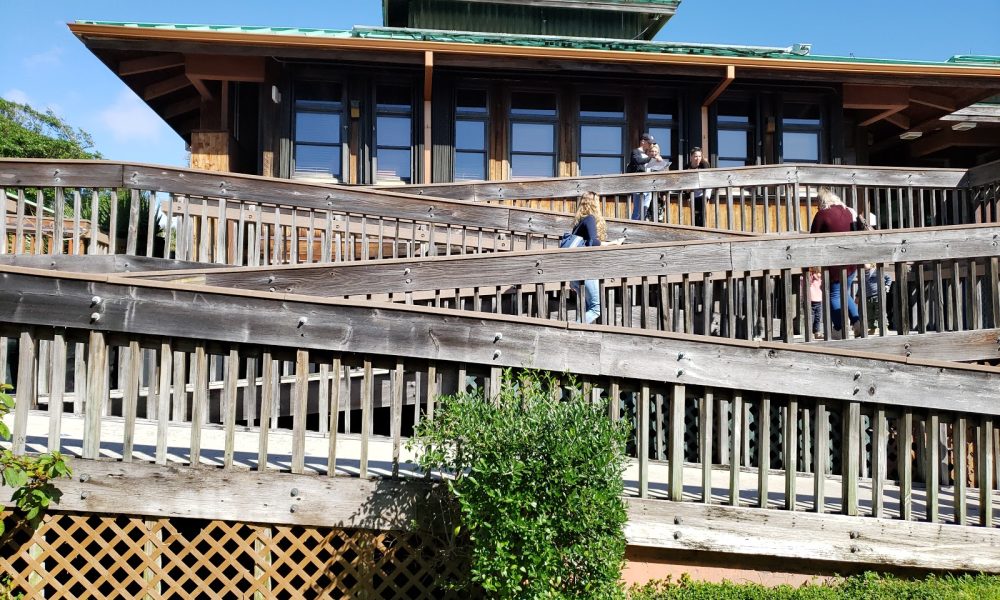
x,y
817,317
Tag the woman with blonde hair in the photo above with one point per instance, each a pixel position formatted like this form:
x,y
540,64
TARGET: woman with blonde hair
x,y
834,217
589,224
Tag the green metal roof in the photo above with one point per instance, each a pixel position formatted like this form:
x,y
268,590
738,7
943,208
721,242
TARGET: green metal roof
x,y
798,52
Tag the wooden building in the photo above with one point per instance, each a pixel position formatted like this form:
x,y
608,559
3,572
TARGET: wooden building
x,y
544,88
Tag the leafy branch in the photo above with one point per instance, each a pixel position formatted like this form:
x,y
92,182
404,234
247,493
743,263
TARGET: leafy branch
x,y
31,477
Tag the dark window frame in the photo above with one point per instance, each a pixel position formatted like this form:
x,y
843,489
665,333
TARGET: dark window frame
x,y
673,123
514,119
471,116
383,110
820,129
319,107
601,121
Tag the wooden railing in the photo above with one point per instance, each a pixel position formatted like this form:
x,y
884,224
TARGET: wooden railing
x,y
764,199
943,280
225,218
771,426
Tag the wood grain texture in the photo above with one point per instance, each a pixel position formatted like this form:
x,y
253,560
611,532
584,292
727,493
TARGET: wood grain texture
x,y
157,309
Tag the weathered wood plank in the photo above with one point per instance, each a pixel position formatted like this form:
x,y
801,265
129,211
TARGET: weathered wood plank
x,y
97,372
38,298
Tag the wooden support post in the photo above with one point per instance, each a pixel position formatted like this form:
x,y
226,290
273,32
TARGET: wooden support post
x,y
736,441
763,448
849,457
300,399
96,394
642,440
267,398
230,376
705,420
25,392
163,408
790,445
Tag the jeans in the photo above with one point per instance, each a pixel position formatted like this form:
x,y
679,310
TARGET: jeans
x,y
640,204
593,302
852,306
817,317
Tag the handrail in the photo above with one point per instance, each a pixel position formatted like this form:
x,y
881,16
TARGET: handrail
x,y
762,199
951,274
172,323
243,219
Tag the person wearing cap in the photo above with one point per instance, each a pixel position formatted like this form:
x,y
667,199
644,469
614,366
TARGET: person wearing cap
x,y
637,162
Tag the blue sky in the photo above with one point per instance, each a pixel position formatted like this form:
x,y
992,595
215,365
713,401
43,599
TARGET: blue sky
x,y
43,64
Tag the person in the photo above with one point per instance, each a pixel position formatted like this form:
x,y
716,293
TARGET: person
x,y
656,163
637,162
589,224
834,217
815,288
696,161
872,285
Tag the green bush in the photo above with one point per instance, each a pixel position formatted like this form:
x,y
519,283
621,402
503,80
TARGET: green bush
x,y
869,586
538,483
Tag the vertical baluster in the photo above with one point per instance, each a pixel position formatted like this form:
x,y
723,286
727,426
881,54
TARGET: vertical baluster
x,y
880,450
132,239
904,462
788,303
688,304
57,384
311,236
366,416
642,439
821,453
166,357
763,449
230,377
850,455
300,396
939,298
931,468
151,224
199,401
77,206
337,384
398,384
705,420
19,222
58,214
266,404
131,398
790,445
992,283
293,235
79,377
959,446
984,454
736,441
768,290
113,223
957,306
973,299
676,455
97,372
26,390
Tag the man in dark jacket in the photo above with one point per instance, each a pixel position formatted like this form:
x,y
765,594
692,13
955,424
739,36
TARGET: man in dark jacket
x,y
637,164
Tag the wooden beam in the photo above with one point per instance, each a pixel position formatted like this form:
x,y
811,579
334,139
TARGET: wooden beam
x,y
203,91
933,99
875,97
882,115
948,138
689,527
225,68
157,62
899,120
428,115
728,78
180,107
166,86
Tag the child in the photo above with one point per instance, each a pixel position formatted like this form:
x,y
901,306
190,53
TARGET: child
x,y
816,301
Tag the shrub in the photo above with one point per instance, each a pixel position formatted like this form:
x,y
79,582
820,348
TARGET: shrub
x,y
538,483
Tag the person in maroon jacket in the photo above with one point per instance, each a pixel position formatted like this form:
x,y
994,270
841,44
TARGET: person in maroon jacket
x,y
834,217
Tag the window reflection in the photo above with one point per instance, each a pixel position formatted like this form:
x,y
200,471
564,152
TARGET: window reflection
x,y
801,133
317,150
393,134
471,117
602,130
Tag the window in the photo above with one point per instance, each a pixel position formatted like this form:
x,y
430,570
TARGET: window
x,y
318,150
734,134
602,127
660,124
801,133
532,135
393,134
471,117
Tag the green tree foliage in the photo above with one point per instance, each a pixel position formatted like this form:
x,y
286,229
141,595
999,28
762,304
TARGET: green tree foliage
x,y
538,483
28,133
31,477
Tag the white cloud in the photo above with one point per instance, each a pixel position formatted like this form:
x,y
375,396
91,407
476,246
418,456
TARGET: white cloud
x,y
129,119
49,58
16,95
